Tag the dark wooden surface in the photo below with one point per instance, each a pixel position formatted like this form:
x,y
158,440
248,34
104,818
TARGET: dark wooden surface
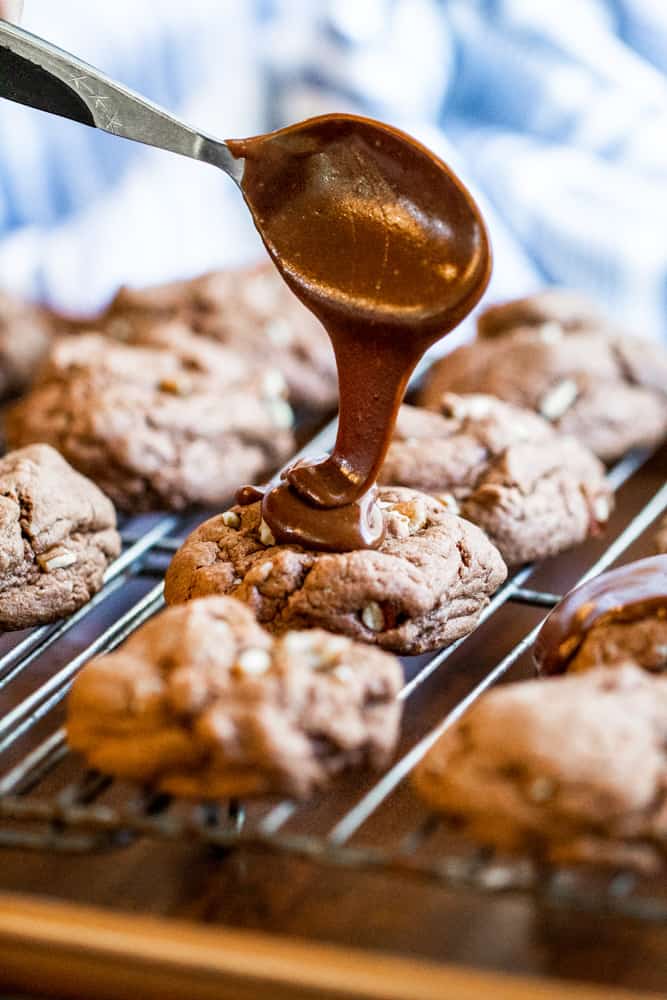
x,y
378,912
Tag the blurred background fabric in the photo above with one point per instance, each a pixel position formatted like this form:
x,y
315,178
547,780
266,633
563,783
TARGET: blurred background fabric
x,y
555,114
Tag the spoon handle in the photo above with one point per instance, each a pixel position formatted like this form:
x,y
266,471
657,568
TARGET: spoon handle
x,y
38,74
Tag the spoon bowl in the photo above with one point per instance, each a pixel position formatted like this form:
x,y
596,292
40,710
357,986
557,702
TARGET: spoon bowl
x,y
363,220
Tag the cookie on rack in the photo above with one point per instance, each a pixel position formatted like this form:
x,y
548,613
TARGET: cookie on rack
x,y
569,769
25,335
174,421
618,617
568,309
533,491
57,537
249,309
425,586
553,354
201,701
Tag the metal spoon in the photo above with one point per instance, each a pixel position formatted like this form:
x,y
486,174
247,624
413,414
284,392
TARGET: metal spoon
x,y
40,75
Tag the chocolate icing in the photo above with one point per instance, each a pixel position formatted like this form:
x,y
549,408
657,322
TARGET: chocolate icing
x,y
247,495
381,241
622,595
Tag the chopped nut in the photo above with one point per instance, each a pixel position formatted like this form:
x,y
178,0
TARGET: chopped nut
x,y
265,534
279,332
254,661
601,509
176,386
551,332
451,405
477,407
273,384
372,616
343,673
57,558
559,399
297,642
237,581
523,431
542,789
463,407
414,511
321,652
281,413
231,519
399,526
449,502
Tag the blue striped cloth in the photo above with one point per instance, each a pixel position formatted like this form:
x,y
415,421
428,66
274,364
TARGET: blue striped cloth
x,y
559,125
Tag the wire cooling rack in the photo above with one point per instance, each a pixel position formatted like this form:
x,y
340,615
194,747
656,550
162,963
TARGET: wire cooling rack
x,y
50,802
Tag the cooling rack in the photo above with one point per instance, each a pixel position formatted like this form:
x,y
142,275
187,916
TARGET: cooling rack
x,y
50,803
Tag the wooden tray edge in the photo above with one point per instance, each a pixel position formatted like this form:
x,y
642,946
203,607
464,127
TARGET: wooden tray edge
x,y
77,952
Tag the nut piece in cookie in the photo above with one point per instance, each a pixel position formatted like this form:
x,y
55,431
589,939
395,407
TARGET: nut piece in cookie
x,y
425,586
554,354
569,769
618,617
25,335
533,491
201,701
175,421
250,310
57,537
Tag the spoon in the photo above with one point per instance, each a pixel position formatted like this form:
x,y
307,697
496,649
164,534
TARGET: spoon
x,y
375,234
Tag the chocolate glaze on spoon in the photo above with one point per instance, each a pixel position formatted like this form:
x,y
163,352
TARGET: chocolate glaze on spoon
x,y
622,595
384,244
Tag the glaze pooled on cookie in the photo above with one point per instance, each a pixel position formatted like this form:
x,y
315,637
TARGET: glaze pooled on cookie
x,y
423,588
617,617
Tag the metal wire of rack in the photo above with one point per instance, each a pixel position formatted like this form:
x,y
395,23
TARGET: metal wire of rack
x,y
90,812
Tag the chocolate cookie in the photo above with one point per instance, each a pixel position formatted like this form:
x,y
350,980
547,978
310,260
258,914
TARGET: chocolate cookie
x,y
533,491
250,310
177,421
423,588
57,536
203,702
661,536
567,309
572,768
618,617
25,334
548,354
